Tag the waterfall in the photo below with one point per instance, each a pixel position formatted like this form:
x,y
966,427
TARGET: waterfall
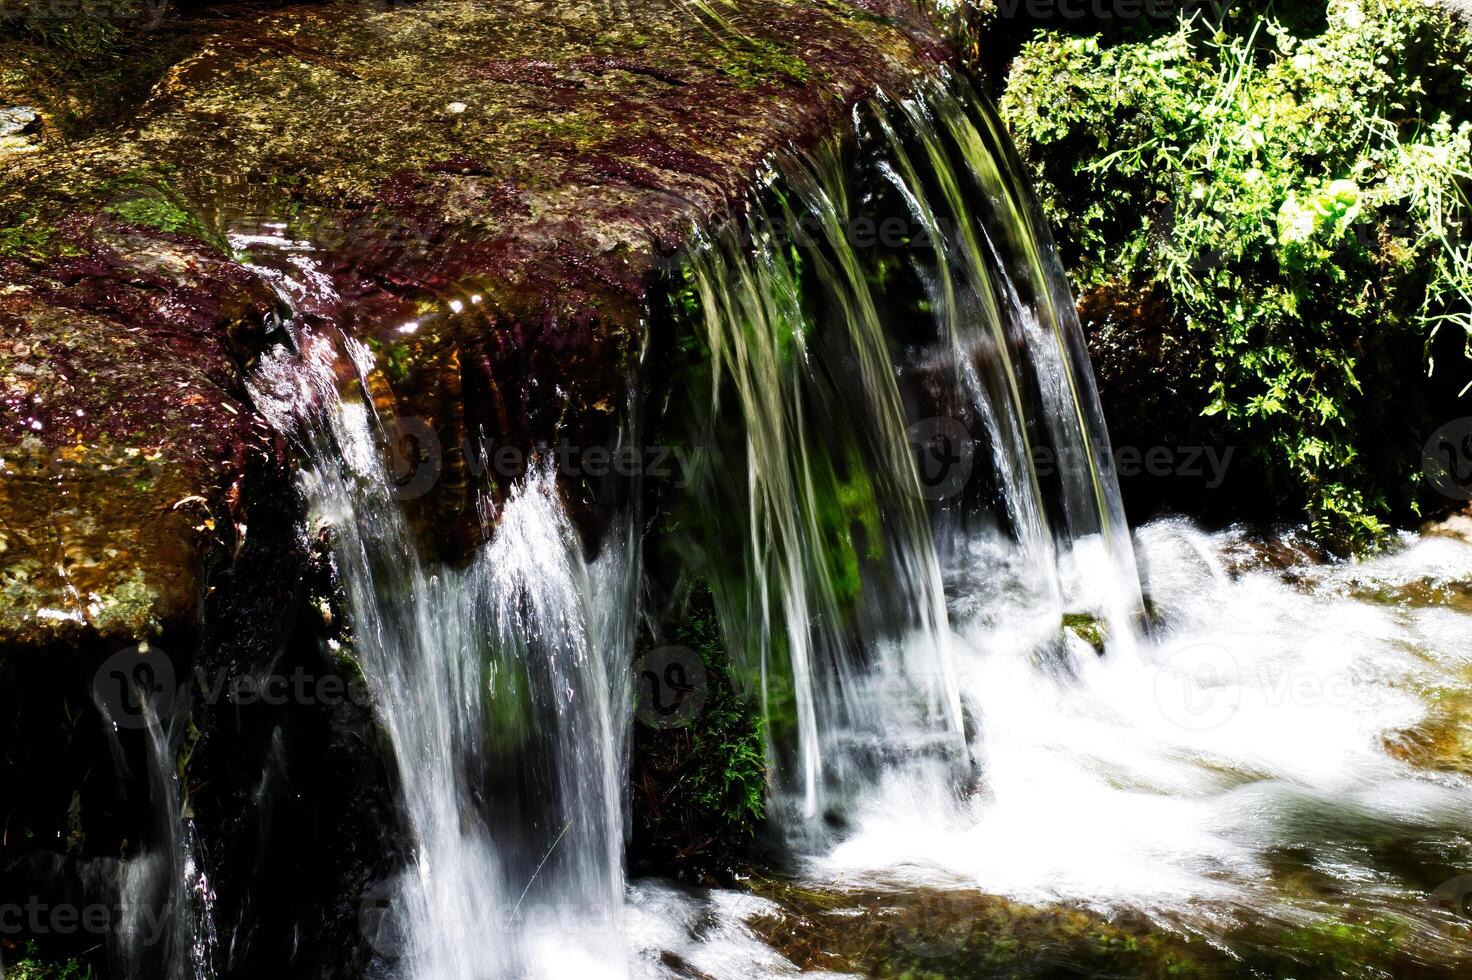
x,y
832,355
165,926
501,688
846,389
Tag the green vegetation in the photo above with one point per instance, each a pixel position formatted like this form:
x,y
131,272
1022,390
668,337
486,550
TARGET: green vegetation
x,y
89,36
147,198
32,240
728,762
156,212
699,789
1297,198
32,967
1088,628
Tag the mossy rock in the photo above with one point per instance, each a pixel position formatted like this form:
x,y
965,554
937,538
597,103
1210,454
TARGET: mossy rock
x,y
126,436
1088,628
545,159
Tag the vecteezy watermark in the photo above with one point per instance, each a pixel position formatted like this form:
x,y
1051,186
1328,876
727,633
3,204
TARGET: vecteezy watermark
x,y
1446,459
141,681
934,927
381,922
944,454
1203,686
415,456
1199,687
671,685
416,459
134,684
124,464
1097,10
276,689
1455,896
1206,463
37,917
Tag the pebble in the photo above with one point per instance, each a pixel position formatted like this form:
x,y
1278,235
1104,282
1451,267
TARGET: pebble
x,y
15,120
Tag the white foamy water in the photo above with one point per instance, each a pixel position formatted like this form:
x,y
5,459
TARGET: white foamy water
x,y
1258,719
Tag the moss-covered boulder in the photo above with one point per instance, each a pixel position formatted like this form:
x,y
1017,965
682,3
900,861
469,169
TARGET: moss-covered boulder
x,y
487,186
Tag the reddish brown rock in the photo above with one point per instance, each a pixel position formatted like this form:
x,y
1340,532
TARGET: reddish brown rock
x,y
505,175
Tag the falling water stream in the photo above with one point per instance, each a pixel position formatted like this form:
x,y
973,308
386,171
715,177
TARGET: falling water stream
x,y
1253,773
500,686
891,570
830,382
165,927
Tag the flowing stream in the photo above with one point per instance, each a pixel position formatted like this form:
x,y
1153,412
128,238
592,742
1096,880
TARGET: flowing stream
x,y
900,584
1268,765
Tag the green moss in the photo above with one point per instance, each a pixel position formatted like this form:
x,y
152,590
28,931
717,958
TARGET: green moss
x,y
760,62
147,198
152,212
1086,627
32,240
1299,199
1351,949
960,935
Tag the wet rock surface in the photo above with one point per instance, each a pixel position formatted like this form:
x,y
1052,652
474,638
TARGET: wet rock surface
x,y
125,436
16,119
487,187
16,124
480,194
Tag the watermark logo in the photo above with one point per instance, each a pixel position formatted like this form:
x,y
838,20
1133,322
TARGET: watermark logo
x,y
414,449
142,680
1199,687
1446,459
135,683
1111,10
148,923
1205,464
671,685
380,922
944,454
1455,896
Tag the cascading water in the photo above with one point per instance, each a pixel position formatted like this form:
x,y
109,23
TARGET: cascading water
x,y
932,725
501,688
830,380
1184,775
810,492
166,926
1007,315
